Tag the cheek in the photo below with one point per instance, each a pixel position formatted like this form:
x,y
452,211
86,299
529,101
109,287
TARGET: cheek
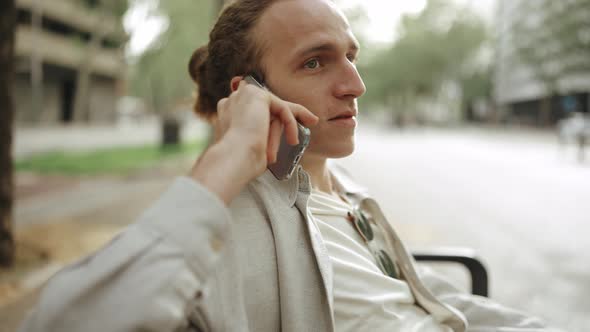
x,y
318,103
316,135
325,137
307,96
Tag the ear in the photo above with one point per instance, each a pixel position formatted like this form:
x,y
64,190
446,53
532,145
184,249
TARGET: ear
x,y
235,82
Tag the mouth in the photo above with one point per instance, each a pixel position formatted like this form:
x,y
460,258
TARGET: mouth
x,y
345,119
344,116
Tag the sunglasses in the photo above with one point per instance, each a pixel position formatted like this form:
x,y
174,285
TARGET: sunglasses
x,y
362,223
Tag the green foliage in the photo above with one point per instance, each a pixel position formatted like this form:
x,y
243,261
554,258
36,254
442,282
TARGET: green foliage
x,y
106,161
554,39
160,75
116,7
477,84
435,46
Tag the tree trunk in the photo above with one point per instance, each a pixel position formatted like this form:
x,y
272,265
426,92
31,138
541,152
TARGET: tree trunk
x,y
170,132
7,32
581,146
545,111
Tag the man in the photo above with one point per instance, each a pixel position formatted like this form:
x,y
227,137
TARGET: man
x,y
313,253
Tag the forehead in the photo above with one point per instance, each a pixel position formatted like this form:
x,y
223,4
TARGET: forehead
x,y
289,26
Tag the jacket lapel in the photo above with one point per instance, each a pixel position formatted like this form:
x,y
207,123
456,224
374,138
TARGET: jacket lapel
x,y
303,267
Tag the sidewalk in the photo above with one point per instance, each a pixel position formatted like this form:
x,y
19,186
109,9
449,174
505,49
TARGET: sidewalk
x,y
29,141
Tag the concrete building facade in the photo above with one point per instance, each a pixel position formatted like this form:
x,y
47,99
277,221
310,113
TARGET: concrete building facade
x,y
519,92
69,62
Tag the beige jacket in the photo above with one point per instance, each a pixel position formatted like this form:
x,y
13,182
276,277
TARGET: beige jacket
x,y
190,263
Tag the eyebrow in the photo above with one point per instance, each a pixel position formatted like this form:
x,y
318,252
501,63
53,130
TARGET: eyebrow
x,y
325,47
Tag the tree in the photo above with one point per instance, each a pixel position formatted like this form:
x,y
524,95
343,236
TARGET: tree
x,y
160,75
435,47
7,33
553,41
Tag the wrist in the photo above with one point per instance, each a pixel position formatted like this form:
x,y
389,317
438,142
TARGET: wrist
x,y
225,169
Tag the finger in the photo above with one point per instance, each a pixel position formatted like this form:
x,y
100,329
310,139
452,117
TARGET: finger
x,y
221,103
303,115
242,84
222,109
280,109
274,140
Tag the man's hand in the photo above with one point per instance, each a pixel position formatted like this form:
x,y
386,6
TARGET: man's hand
x,y
250,125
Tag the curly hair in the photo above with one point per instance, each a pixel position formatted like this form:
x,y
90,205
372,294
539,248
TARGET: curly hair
x,y
232,51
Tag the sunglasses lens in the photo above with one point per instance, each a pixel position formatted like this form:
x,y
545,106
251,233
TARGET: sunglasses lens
x,y
364,227
387,265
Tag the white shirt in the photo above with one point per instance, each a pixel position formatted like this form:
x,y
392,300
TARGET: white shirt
x,y
364,298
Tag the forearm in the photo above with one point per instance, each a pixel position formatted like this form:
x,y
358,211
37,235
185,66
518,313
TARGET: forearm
x,y
146,277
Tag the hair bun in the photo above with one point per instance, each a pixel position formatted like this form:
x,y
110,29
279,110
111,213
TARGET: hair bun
x,y
197,63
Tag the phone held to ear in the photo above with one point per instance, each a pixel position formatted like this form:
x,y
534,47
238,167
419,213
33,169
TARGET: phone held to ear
x,y
288,156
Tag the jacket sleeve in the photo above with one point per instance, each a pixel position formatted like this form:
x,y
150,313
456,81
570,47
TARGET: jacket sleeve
x,y
151,277
483,314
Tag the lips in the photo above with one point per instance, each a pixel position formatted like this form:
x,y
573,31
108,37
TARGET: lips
x,y
344,115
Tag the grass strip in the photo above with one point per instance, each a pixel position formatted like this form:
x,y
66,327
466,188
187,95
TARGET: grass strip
x,y
118,160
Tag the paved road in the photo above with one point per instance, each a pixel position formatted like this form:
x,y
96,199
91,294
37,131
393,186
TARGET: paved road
x,y
516,198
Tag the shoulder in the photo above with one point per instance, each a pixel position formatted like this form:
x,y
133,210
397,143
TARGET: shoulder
x,y
245,203
259,195
264,196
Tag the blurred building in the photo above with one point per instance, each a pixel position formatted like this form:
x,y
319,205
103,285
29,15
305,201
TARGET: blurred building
x,y
553,42
69,61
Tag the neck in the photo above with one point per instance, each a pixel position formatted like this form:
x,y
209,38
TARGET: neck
x,y
317,168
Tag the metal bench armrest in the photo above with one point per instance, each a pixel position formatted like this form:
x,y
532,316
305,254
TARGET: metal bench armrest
x,y
463,256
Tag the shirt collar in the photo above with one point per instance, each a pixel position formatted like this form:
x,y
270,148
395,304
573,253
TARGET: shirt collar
x,y
300,182
344,180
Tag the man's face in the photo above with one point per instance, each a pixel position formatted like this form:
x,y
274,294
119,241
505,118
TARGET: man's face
x,y
309,59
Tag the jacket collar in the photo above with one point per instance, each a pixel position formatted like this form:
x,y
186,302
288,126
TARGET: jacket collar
x,y
287,189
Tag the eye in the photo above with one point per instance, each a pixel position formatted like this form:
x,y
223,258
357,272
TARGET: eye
x,y
352,58
312,64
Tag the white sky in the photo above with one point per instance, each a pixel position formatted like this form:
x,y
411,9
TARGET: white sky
x,y
383,17
143,26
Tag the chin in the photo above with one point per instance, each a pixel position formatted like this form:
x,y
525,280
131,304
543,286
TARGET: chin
x,y
336,151
342,153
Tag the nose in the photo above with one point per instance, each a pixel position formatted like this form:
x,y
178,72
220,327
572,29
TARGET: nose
x,y
350,84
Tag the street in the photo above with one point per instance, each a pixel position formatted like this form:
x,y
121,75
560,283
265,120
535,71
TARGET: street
x,y
516,198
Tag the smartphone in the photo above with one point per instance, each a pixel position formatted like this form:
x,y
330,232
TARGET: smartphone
x,y
288,156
